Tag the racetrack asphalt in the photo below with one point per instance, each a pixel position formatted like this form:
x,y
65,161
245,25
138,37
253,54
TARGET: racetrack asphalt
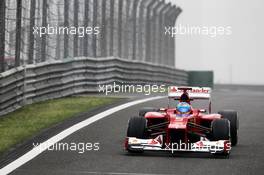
x,y
246,158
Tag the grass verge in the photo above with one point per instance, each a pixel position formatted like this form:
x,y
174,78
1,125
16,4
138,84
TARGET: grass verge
x,y
31,119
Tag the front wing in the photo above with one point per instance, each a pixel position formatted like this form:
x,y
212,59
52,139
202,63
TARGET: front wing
x,y
204,145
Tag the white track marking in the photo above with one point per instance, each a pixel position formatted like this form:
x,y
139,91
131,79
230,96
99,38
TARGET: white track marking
x,y
45,145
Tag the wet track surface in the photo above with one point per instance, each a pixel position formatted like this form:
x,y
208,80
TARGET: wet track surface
x,y
246,158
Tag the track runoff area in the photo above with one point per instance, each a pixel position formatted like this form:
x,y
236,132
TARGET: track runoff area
x,y
108,128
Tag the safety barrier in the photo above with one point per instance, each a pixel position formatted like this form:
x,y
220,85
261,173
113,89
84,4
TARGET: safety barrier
x,y
48,80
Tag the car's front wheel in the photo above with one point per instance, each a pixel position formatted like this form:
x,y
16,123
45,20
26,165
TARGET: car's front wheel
x,y
234,124
220,129
137,127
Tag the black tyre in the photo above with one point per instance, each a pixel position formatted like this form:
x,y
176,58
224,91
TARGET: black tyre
x,y
220,129
143,111
234,124
137,127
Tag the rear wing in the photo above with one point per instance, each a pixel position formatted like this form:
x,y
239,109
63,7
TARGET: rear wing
x,y
193,92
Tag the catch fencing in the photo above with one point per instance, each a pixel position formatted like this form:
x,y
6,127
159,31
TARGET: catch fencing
x,y
129,29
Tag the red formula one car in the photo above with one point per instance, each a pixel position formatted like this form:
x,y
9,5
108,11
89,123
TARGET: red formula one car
x,y
183,127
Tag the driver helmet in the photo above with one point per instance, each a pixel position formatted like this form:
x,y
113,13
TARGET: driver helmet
x,y
183,108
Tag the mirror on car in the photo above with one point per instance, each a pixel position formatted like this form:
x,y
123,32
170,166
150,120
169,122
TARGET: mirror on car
x,y
202,110
162,109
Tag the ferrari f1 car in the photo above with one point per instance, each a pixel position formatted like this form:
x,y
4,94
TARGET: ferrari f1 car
x,y
183,127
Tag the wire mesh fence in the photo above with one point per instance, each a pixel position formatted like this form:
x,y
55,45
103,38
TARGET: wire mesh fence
x,y
34,31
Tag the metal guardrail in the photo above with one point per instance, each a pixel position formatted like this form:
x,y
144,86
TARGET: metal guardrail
x,y
48,80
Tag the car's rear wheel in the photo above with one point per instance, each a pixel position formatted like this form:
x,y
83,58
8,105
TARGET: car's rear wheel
x,y
144,110
137,127
220,129
234,124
